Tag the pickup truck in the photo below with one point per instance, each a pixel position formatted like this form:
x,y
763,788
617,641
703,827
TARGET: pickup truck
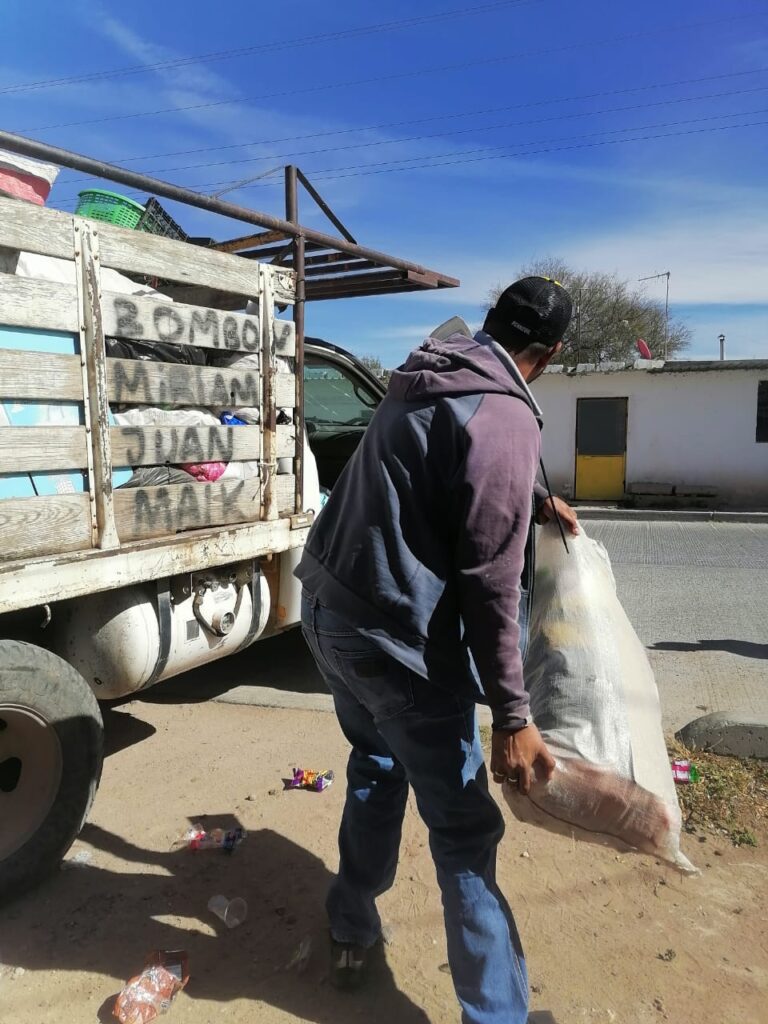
x,y
130,364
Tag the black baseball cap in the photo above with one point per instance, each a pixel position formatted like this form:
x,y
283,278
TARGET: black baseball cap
x,y
534,310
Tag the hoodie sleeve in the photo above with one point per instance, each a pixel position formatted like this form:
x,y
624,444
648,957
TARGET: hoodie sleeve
x,y
493,486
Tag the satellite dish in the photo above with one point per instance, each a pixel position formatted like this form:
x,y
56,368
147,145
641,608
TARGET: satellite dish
x,y
642,348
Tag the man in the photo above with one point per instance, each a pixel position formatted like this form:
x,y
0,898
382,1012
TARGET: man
x,y
417,581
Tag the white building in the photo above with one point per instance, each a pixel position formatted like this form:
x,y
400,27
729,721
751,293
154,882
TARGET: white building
x,y
680,432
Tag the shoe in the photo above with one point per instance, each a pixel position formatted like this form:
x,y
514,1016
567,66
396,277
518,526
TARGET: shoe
x,y
348,965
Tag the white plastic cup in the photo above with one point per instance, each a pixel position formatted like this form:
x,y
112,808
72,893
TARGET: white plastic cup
x,y
231,912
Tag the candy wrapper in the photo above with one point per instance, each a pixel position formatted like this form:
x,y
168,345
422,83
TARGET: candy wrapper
x,y
151,993
303,778
684,770
199,838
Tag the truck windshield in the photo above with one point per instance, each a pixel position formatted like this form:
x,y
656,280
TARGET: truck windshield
x,y
334,398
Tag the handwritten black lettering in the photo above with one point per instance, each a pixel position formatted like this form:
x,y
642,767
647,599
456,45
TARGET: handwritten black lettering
x,y
250,335
150,514
231,336
221,445
192,447
135,456
128,325
244,390
205,324
168,324
129,380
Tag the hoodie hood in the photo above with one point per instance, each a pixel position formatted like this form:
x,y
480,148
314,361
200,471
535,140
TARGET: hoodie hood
x,y
456,366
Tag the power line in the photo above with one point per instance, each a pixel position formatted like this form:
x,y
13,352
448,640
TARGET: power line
x,y
538,152
439,135
318,176
416,73
509,152
280,44
432,118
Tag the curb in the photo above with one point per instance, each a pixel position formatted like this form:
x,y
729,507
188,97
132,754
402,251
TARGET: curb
x,y
735,733
670,515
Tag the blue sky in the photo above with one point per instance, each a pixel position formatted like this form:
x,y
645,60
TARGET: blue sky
x,y
523,109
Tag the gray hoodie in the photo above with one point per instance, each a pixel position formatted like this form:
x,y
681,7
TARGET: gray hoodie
x,y
422,544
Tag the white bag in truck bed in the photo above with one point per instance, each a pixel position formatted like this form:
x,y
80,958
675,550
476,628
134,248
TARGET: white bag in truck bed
x,y
595,702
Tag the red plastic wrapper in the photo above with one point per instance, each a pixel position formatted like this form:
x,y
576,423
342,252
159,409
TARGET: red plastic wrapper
x,y
151,993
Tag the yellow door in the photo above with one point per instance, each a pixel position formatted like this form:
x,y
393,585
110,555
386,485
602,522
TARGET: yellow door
x,y
601,448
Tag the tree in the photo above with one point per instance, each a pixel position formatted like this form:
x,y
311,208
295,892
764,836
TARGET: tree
x,y
375,366
609,316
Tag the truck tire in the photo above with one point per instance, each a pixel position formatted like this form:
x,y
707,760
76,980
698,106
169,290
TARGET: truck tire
x,y
51,749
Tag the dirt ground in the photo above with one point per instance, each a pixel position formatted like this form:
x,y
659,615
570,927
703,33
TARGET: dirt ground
x,y
609,937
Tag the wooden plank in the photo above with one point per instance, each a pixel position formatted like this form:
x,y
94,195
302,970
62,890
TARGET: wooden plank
x,y
143,512
49,232
137,252
285,493
26,449
286,441
33,229
44,526
39,376
93,362
250,241
158,446
139,382
148,319
285,391
283,283
46,305
284,333
40,578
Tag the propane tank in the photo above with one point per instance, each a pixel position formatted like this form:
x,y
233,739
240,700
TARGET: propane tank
x,y
116,642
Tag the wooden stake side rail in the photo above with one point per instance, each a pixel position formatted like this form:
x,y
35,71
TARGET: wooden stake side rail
x,y
52,306
72,527
48,449
49,233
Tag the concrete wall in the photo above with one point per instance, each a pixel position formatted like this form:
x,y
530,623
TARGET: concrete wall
x,y
692,429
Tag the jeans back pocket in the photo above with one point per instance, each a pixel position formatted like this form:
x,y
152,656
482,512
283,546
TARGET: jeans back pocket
x,y
378,682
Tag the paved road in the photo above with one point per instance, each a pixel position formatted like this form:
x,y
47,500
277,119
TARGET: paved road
x,y
697,594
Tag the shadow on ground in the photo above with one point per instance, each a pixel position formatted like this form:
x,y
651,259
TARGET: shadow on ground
x,y
104,923
282,662
744,648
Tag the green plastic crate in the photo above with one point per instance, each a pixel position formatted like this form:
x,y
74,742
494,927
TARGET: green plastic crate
x,y
99,204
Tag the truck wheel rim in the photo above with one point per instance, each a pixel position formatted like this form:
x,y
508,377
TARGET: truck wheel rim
x,y
30,774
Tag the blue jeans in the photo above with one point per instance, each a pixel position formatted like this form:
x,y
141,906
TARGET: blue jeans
x,y
404,729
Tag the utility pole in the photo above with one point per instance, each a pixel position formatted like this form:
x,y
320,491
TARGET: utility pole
x,y
721,339
655,277
578,329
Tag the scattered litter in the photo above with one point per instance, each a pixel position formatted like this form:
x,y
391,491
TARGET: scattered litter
x,y
445,968
199,838
231,912
388,933
80,860
300,958
684,770
525,854
668,955
537,989
303,778
151,993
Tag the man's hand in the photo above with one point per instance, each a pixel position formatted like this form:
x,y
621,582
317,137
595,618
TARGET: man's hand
x,y
515,754
546,513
